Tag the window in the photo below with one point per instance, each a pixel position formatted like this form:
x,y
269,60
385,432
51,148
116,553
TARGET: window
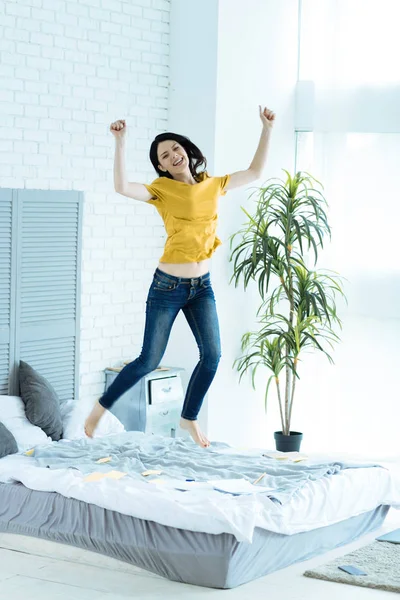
x,y
348,136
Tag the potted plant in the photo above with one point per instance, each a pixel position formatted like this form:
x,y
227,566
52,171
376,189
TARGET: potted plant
x,y
298,304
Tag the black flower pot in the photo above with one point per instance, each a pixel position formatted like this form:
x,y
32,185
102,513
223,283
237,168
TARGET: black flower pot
x,y
288,443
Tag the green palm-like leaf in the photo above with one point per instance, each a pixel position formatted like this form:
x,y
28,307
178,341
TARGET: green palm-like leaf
x,y
297,314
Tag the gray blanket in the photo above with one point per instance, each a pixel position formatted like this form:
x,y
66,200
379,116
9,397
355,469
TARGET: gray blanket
x,y
134,453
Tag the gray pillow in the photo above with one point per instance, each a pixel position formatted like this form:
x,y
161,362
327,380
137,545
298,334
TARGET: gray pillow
x,y
42,406
8,445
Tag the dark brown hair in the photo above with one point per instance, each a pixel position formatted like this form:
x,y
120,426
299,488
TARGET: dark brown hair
x,y
196,158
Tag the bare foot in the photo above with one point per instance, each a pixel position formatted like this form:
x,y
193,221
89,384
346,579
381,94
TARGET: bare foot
x,y
93,419
193,428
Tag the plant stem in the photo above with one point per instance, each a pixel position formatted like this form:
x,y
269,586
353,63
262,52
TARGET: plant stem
x,y
293,388
289,292
287,392
280,404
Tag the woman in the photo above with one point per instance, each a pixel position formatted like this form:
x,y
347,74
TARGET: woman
x,y
186,198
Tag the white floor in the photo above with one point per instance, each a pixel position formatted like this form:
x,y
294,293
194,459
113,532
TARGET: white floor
x,y
26,577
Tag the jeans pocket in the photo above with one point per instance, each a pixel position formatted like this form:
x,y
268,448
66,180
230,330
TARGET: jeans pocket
x,y
164,285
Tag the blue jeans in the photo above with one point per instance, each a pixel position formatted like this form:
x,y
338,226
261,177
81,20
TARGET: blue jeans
x,y
167,296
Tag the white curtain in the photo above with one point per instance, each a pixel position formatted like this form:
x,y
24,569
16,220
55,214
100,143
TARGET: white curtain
x,y
348,123
349,75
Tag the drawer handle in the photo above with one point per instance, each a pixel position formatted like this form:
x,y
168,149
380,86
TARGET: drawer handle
x,y
168,389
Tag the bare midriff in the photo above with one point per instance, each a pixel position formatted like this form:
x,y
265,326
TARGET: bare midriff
x,y
193,269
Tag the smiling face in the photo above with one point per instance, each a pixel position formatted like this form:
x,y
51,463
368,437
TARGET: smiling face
x,y
172,157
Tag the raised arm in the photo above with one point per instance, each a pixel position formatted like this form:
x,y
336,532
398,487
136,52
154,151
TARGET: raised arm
x,y
256,167
132,190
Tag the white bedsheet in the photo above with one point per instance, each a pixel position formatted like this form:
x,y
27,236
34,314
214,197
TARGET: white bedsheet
x,y
320,503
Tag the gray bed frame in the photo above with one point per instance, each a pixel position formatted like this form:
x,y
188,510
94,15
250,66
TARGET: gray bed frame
x,y
216,561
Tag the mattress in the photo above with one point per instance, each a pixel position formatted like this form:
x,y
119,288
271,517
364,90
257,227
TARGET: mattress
x,y
211,560
317,502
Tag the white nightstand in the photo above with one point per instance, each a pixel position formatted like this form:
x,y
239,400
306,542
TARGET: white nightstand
x,y
153,405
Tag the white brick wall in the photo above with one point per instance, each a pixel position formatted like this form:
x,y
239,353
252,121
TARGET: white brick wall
x,y
68,68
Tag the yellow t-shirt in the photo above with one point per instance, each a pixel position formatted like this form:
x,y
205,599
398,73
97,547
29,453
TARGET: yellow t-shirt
x,y
190,216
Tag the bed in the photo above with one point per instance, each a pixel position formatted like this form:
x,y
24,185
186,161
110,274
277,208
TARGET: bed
x,y
200,532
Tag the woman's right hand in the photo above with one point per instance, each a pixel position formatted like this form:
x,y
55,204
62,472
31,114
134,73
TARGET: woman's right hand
x,y
118,128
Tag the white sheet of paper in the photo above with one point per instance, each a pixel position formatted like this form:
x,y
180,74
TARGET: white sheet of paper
x,y
151,472
289,456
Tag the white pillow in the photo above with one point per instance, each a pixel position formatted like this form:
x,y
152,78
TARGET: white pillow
x,y
12,415
74,415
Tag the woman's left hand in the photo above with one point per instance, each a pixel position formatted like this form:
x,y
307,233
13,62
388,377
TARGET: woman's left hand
x,y
267,117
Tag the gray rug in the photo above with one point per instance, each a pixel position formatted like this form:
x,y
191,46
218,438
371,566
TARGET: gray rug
x,y
380,560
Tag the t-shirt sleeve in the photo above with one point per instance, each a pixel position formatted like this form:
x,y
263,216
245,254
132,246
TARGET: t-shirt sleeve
x,y
155,189
223,182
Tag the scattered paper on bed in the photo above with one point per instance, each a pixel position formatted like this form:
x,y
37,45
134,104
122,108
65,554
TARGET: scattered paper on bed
x,y
94,477
289,456
108,475
103,460
115,474
151,472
